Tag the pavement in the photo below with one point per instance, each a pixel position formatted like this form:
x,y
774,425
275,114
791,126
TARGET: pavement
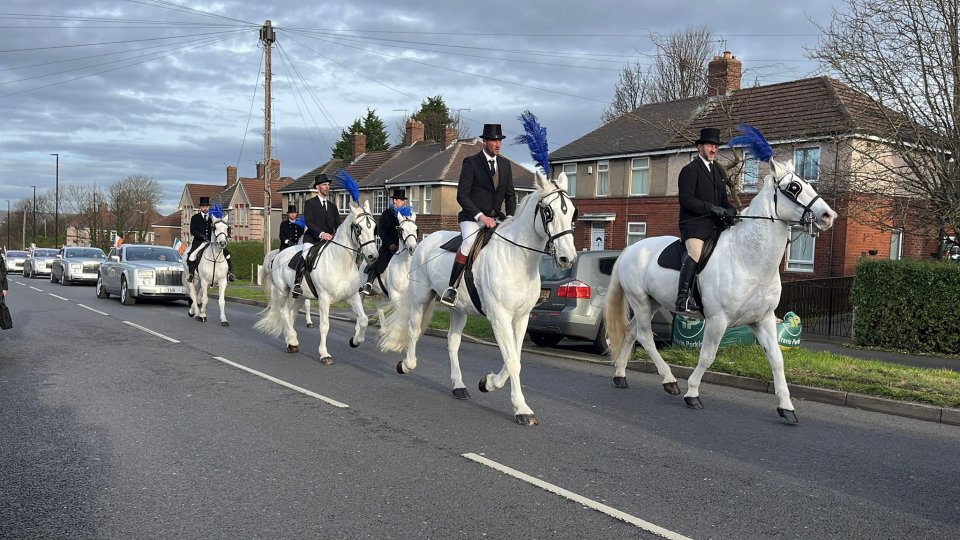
x,y
840,346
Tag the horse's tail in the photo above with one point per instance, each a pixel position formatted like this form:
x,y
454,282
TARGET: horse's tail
x,y
394,335
615,316
266,280
271,323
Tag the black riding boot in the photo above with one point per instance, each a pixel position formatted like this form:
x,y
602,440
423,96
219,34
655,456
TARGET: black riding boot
x,y
297,290
367,288
449,296
191,268
230,277
688,271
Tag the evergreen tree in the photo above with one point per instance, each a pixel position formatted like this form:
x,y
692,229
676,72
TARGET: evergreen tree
x,y
435,116
372,126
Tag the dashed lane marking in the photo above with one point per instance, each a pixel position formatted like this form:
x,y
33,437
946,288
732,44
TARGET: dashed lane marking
x,y
281,382
149,331
60,297
93,310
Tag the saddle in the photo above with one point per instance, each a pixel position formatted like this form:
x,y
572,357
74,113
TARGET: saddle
x,y
192,256
310,260
672,256
484,236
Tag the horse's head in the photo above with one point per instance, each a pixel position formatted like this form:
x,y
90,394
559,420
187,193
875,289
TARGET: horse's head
x,y
557,215
408,232
220,231
807,207
363,229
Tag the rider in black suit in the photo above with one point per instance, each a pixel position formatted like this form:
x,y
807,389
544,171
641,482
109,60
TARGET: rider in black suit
x,y
703,208
484,191
201,225
290,230
389,233
323,218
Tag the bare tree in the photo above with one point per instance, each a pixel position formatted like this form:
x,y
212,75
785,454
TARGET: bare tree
x,y
905,55
632,90
132,200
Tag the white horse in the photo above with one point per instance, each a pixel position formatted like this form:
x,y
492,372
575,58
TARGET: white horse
x,y
395,278
507,282
211,268
335,277
740,284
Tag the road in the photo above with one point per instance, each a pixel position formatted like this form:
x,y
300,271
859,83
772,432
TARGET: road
x,y
136,422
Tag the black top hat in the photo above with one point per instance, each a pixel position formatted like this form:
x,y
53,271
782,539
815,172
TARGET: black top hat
x,y
709,136
204,201
398,194
320,179
291,208
493,132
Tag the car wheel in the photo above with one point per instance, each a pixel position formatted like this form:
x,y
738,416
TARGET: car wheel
x,y
600,342
33,273
545,340
63,279
125,297
101,292
52,280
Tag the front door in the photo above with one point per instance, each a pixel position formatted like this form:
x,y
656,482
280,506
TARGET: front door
x,y
597,235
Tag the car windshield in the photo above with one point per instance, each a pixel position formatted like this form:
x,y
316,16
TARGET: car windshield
x,y
44,253
152,253
16,254
552,272
87,253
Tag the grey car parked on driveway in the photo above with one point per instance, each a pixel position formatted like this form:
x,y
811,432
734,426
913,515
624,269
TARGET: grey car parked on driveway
x,y
135,271
76,264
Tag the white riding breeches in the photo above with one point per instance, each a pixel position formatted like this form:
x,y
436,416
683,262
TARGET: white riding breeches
x,y
469,231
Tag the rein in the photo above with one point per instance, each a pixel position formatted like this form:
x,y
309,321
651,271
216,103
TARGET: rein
x,y
357,231
546,217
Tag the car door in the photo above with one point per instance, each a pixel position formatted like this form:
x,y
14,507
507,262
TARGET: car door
x,y
109,271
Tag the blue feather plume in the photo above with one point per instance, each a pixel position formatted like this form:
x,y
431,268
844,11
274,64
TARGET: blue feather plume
x,y
535,137
405,211
301,222
348,184
754,140
216,211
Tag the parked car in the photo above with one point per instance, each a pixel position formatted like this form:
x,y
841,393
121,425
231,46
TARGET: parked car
x,y
14,259
76,265
572,302
38,262
135,271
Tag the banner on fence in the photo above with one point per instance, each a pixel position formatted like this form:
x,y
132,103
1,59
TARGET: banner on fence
x,y
688,332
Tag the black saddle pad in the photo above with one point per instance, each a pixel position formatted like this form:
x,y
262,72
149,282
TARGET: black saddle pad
x,y
672,256
452,244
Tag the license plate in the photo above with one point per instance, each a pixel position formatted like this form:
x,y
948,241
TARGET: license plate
x,y
544,294
167,290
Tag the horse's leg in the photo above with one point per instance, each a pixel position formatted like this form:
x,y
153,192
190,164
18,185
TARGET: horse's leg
x,y
503,330
323,312
288,312
766,332
458,320
223,302
713,330
192,310
415,327
204,296
306,310
360,330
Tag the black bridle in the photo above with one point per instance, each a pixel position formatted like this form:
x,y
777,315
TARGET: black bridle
x,y
405,235
792,192
546,217
357,231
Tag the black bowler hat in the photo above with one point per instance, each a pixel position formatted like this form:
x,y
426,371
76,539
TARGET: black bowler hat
x,y
492,132
398,194
292,208
204,201
320,179
709,136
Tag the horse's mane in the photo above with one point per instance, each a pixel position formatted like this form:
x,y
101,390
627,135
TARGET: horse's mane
x,y
522,207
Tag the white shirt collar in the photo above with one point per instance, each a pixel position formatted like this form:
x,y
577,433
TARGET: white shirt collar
x,y
705,162
488,157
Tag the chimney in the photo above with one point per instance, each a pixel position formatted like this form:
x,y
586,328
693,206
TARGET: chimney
x,y
723,74
414,131
260,171
274,170
449,137
231,175
360,144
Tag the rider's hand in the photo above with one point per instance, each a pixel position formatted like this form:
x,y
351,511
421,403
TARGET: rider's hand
x,y
488,221
326,236
719,212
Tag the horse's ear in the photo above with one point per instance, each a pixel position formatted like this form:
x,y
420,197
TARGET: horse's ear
x,y
366,206
413,216
562,181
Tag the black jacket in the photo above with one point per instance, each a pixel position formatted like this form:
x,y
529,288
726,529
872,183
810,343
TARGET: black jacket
x,y
3,275
290,234
699,190
319,220
475,191
389,236
199,230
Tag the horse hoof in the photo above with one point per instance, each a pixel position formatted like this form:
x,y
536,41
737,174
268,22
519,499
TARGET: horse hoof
x,y
483,385
693,402
201,319
309,325
461,393
400,368
326,360
527,420
293,348
620,382
189,314
353,345
789,416
672,388
224,323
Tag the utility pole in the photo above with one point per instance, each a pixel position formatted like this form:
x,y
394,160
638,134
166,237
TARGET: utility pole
x,y
34,241
56,206
267,37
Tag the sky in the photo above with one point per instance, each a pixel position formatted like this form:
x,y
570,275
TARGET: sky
x,y
174,89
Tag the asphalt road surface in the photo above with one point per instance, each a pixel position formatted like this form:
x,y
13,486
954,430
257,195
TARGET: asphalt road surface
x,y
138,422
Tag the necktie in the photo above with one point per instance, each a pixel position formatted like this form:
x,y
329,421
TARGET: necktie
x,y
324,203
493,168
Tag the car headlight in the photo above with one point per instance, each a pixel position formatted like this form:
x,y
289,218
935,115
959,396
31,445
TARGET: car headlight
x,y
76,267
145,277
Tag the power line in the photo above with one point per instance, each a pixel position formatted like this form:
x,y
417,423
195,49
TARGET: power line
x,y
108,43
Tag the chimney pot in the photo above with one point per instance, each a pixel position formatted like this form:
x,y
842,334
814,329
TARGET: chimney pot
x,y
723,74
359,145
231,175
414,131
449,136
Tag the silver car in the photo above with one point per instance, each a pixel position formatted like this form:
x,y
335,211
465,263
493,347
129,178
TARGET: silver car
x,y
76,265
135,271
14,259
38,262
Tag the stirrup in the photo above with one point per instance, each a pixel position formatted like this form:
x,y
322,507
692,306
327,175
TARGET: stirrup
x,y
189,278
367,289
449,297
297,291
688,305
231,278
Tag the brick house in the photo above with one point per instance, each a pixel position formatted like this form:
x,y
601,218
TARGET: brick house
x,y
136,228
167,229
624,174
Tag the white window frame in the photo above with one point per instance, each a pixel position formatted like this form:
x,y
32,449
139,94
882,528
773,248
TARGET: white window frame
x,y
427,199
414,198
343,203
570,169
379,201
641,167
800,158
896,244
636,231
751,175
801,252
603,179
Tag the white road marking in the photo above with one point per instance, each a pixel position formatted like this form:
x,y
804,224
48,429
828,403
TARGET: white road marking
x,y
36,289
93,310
613,512
270,378
149,331
60,297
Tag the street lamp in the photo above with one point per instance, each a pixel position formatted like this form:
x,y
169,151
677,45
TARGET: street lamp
x,y
34,241
8,224
56,207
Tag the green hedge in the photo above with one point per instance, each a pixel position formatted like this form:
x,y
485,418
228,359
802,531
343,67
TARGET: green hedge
x,y
246,255
911,305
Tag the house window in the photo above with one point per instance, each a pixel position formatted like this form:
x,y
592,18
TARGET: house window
x,y
379,201
751,175
808,163
343,202
427,199
603,178
896,244
413,199
800,252
636,231
243,215
570,169
640,176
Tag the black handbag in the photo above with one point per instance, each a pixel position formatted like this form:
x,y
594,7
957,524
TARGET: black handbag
x,y
6,322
